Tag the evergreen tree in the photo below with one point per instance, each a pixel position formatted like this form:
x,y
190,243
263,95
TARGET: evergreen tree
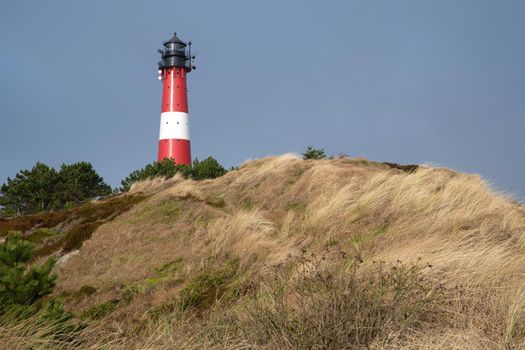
x,y
19,284
30,190
164,168
314,153
78,182
209,168
43,188
206,169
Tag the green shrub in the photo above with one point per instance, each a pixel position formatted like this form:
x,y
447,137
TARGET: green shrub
x,y
18,283
314,153
206,169
165,168
23,290
209,168
49,315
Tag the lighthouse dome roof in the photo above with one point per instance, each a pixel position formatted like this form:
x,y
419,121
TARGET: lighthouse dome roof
x,y
175,39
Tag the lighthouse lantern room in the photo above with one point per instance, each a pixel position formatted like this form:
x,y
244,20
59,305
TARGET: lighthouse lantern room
x,y
174,137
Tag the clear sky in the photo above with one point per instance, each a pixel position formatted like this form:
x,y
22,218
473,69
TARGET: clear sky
x,y
399,81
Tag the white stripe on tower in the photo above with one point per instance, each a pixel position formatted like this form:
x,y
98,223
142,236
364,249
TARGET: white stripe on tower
x,y
174,125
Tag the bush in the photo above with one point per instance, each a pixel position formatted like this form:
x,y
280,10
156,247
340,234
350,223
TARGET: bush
x,y
206,169
23,290
165,168
314,153
209,168
18,284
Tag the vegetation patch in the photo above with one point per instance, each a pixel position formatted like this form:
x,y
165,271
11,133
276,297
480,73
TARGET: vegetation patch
x,y
170,209
408,168
43,188
100,311
295,206
314,153
332,242
364,237
85,220
239,287
216,200
85,290
317,308
25,290
168,273
205,288
165,212
208,168
41,235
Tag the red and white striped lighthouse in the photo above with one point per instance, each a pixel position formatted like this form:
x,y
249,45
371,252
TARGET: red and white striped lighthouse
x,y
174,135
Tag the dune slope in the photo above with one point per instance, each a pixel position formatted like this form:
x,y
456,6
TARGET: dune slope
x,y
286,253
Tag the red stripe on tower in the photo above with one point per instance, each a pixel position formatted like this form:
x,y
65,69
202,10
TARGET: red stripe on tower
x,y
174,135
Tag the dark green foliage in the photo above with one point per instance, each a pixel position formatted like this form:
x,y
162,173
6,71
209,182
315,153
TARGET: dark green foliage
x,y
164,168
77,182
29,190
23,288
7,212
18,283
206,169
314,153
43,188
53,314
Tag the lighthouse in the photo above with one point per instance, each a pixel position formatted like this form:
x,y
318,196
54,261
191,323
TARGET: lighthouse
x,y
174,136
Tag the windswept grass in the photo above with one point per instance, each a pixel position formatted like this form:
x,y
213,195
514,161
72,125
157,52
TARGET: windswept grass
x,y
290,254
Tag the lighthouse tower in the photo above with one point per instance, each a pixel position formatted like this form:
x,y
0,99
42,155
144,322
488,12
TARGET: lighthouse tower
x,y
174,136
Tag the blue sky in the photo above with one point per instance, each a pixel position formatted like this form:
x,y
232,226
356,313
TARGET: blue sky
x,y
438,82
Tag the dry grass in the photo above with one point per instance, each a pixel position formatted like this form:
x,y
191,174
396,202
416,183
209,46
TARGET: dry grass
x,y
233,246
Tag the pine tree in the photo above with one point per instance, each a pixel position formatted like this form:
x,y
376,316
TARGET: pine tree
x,y
43,188
314,153
208,168
30,190
18,283
78,182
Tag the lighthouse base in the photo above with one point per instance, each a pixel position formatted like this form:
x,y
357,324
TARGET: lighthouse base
x,y
177,149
